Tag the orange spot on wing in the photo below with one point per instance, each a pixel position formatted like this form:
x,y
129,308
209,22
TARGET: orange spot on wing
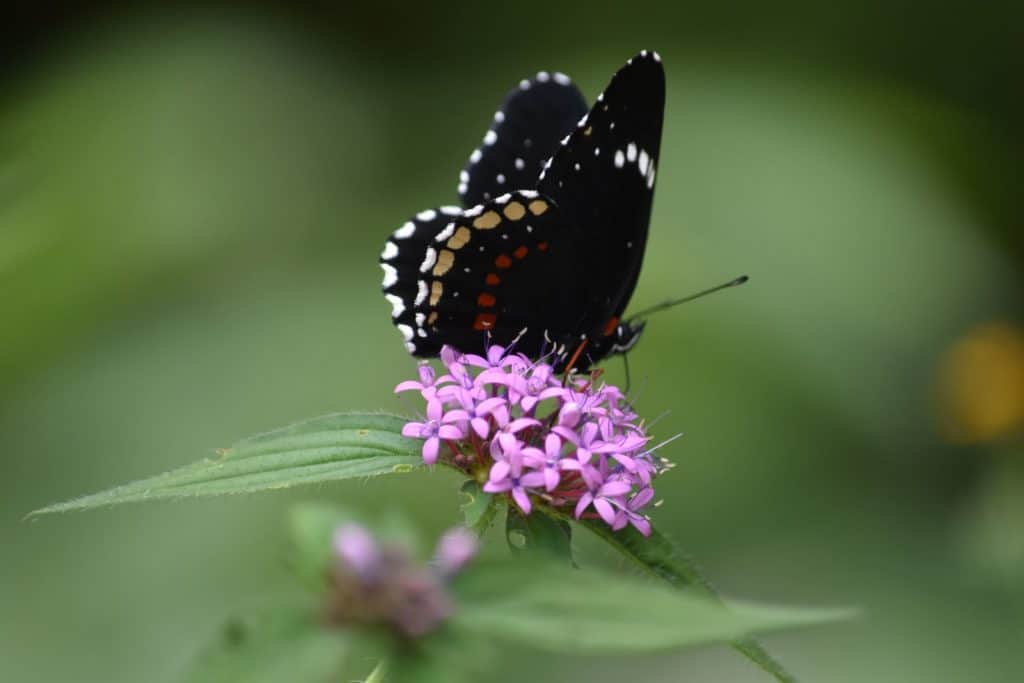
x,y
610,326
484,321
503,261
520,253
543,246
485,300
492,279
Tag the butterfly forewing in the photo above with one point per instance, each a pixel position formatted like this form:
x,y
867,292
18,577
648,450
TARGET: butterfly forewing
x,y
602,178
525,132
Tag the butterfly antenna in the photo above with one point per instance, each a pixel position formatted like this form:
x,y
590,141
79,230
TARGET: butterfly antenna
x,y
675,302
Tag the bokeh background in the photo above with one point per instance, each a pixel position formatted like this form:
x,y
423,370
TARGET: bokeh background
x,y
191,206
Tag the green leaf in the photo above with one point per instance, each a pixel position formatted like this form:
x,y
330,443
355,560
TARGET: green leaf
x,y
479,509
660,557
283,645
538,532
553,607
327,448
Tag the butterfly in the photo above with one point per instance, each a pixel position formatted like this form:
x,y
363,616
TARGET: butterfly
x,y
547,245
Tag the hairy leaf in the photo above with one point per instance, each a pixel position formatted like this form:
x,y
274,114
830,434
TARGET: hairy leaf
x,y
327,448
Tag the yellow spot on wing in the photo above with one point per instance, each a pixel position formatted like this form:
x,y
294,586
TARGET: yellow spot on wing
x,y
514,211
436,289
538,206
489,220
444,262
459,239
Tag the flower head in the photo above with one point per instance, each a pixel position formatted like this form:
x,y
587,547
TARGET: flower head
x,y
379,583
521,431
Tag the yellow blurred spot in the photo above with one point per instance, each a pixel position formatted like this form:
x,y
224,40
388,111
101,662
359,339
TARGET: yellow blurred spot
x,y
981,384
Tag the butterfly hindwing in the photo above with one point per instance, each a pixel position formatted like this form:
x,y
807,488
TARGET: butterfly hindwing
x,y
401,260
602,178
525,132
498,271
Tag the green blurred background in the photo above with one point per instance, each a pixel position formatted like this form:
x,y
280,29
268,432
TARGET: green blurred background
x,y
191,207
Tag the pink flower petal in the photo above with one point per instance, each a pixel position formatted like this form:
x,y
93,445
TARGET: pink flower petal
x,y
522,500
499,471
605,509
480,426
582,504
413,430
450,433
430,449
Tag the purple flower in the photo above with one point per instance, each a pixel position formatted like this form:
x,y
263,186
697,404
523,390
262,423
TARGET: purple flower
x,y
375,583
549,461
496,358
533,436
603,499
427,384
478,412
455,550
358,550
438,426
507,472
628,513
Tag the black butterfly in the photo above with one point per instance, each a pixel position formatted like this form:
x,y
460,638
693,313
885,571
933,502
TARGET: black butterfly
x,y
550,252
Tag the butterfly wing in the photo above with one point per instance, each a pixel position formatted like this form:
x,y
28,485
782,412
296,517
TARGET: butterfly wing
x,y
602,179
532,119
500,271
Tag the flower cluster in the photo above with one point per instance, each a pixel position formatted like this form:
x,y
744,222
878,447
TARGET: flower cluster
x,y
376,583
527,433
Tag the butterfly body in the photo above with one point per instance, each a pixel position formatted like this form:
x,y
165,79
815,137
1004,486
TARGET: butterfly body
x,y
547,247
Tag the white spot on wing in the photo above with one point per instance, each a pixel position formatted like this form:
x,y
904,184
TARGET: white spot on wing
x,y
463,188
490,138
463,176
448,231
428,260
390,251
451,210
475,156
503,199
421,293
631,152
524,84
500,178
475,211
529,194
390,275
406,331
397,305
421,318
561,78
499,116
650,177
620,160
576,165
410,347
406,231
520,164
543,76
427,215
597,151
643,162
